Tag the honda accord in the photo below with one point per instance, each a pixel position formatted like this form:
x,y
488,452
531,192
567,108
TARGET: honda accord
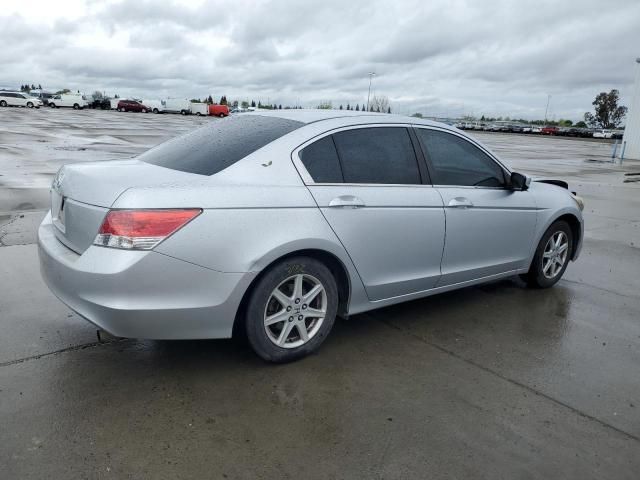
x,y
271,224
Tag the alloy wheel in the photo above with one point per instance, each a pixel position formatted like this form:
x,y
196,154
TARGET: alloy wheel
x,y
295,311
555,254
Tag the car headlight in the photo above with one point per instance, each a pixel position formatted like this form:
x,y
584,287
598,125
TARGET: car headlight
x,y
579,201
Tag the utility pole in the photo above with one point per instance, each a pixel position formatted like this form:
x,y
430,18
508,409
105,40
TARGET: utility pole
x,y
546,110
371,75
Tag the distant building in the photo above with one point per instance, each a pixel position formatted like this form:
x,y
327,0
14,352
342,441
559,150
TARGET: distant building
x,y
632,129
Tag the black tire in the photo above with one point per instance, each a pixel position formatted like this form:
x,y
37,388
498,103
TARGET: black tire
x,y
144,110
3,103
155,110
221,115
258,303
52,105
535,277
183,112
29,104
76,106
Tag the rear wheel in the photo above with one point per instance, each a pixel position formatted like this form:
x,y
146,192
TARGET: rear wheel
x,y
3,103
76,106
144,110
291,309
52,105
221,115
155,110
183,112
552,256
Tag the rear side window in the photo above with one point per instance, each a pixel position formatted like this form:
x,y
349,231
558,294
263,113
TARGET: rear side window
x,y
321,161
377,155
218,145
456,161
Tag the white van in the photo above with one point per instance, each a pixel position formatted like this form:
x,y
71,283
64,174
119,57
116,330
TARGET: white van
x,y
156,106
177,105
199,109
19,99
73,100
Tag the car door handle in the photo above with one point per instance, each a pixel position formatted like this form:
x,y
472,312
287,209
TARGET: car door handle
x,y
460,202
346,201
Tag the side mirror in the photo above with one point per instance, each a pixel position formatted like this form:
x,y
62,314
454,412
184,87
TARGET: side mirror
x,y
519,181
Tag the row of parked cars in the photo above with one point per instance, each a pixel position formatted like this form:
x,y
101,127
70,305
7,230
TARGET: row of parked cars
x,y
547,130
77,101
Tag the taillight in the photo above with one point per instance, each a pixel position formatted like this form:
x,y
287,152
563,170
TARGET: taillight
x,y
141,229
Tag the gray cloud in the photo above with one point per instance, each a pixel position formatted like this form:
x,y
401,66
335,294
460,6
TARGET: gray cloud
x,y
439,57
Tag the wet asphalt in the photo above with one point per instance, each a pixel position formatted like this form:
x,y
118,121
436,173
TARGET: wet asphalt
x,y
495,381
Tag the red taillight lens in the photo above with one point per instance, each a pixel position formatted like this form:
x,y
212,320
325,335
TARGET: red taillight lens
x,y
141,229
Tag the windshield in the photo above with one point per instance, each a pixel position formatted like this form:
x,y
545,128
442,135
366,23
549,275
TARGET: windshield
x,y
220,144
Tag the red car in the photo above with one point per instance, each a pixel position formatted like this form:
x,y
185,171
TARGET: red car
x,y
132,106
549,131
219,110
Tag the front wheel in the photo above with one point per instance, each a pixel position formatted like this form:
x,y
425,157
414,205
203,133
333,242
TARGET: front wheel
x,y
291,309
552,256
52,105
155,110
29,104
221,115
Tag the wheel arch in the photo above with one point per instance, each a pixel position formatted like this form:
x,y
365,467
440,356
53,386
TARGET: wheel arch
x,y
331,261
576,231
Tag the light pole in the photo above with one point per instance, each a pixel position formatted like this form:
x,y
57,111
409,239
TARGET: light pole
x,y
371,75
546,110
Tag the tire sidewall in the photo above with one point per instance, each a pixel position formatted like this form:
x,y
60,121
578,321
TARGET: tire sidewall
x,y
254,318
536,275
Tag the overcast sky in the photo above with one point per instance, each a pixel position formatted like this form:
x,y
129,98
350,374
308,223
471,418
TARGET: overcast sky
x,y
449,57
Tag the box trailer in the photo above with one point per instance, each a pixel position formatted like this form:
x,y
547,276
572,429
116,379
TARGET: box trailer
x,y
199,109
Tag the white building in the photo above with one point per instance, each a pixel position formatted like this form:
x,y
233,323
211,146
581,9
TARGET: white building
x,y
632,129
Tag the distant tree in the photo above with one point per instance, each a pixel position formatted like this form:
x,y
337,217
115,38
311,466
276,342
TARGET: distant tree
x,y
245,104
388,109
235,104
33,87
65,90
482,119
348,106
259,104
580,124
209,99
97,95
417,115
378,110
195,100
608,114
223,100
253,104
340,106
357,107
280,107
326,105
363,109
565,123
116,96
39,87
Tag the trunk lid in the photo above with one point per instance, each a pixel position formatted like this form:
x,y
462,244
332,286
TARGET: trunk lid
x,y
82,193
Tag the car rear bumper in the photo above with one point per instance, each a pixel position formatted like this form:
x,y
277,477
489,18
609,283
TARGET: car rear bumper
x,y
141,294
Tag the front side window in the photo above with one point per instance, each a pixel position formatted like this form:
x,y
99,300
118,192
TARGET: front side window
x,y
456,161
377,155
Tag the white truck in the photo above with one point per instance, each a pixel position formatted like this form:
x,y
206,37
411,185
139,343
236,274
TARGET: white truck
x,y
177,105
199,109
73,100
156,105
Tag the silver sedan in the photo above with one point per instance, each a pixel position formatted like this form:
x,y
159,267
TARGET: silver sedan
x,y
272,224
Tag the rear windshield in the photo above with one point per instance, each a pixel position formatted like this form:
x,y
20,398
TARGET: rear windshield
x,y
221,143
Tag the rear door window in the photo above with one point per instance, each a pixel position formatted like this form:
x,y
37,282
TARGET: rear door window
x,y
219,144
380,155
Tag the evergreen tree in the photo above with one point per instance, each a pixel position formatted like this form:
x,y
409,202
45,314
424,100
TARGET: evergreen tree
x,y
340,106
210,99
389,110
357,107
33,87
348,107
280,107
253,103
39,87
259,104
363,109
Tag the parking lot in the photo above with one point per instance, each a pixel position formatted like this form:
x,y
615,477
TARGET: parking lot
x,y
494,381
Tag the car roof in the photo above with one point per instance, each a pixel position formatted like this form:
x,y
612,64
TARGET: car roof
x,y
308,116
